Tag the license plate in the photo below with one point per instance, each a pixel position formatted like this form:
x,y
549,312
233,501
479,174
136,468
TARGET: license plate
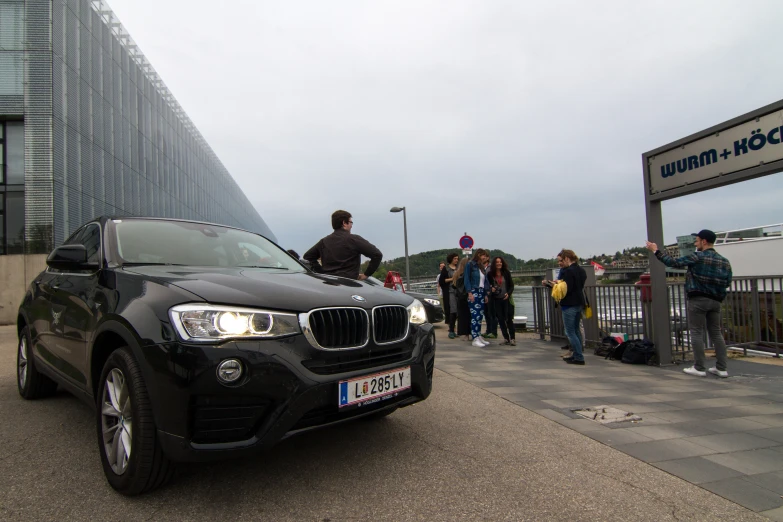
x,y
374,388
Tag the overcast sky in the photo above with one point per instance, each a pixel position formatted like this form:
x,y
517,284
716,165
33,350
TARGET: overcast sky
x,y
520,123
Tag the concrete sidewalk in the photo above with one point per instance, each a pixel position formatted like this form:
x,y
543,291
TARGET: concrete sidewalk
x,y
724,435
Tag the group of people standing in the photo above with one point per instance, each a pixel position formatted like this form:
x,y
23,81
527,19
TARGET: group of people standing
x,y
473,289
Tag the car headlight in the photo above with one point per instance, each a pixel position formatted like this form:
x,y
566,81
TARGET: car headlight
x,y
433,302
205,322
416,312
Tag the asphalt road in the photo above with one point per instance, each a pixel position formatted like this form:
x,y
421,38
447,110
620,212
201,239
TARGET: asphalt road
x,y
464,454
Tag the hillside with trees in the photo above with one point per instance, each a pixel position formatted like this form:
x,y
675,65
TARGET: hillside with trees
x,y
426,263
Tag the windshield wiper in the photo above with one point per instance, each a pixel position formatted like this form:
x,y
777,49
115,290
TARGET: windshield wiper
x,y
263,266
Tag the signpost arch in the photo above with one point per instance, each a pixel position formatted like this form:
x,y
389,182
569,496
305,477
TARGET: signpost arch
x,y
746,147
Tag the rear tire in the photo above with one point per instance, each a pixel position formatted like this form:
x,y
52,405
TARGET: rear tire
x,y
132,459
31,383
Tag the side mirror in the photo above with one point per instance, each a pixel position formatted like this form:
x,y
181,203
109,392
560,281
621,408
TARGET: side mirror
x,y
70,257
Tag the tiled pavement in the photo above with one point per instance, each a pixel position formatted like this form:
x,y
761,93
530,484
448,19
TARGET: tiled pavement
x,y
725,435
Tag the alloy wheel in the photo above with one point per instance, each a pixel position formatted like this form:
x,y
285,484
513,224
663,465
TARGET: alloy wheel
x,y
117,421
22,365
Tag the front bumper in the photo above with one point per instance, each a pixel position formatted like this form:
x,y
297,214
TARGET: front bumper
x,y
288,387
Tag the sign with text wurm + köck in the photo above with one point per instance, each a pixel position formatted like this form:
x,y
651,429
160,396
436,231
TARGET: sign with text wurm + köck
x,y
743,146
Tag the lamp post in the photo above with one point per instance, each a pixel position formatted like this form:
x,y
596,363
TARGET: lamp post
x,y
405,228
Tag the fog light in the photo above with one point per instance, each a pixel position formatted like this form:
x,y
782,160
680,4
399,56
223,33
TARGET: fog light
x,y
229,371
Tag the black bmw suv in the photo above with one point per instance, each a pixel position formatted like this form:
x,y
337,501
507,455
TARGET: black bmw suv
x,y
196,341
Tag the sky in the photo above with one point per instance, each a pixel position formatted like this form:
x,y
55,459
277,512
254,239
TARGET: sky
x,y
520,123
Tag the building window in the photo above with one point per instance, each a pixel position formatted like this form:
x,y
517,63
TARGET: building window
x,y
12,233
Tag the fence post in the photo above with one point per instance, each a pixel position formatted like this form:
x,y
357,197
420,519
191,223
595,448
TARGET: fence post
x,y
756,311
538,310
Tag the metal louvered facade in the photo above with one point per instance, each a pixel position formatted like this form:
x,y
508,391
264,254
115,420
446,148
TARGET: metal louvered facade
x,y
102,133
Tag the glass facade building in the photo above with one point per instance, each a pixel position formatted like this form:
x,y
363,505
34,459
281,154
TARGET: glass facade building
x,y
87,128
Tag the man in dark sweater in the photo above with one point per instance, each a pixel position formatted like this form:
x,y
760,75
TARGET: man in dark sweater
x,y
341,252
709,275
573,303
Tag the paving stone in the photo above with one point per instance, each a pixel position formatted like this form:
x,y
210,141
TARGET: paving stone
x,y
697,470
745,493
650,407
686,415
775,434
582,425
732,442
773,420
552,414
616,437
661,450
752,462
733,425
773,514
771,481
671,431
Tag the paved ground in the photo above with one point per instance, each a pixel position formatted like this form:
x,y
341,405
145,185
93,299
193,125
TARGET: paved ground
x,y
465,453
726,435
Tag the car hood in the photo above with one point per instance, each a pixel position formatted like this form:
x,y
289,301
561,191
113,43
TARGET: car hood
x,y
421,297
255,287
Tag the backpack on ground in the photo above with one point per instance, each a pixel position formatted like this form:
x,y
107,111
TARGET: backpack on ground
x,y
638,351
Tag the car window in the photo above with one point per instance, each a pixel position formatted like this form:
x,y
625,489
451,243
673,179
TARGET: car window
x,y
197,244
90,237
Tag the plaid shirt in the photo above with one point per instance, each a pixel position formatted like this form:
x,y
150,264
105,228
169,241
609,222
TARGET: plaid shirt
x,y
709,273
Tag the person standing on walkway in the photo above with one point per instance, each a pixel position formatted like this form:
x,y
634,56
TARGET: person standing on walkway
x,y
489,316
341,252
448,295
501,286
438,280
573,303
477,285
708,277
461,294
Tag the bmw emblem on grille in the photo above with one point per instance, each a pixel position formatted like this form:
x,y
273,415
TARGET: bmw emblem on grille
x,y
358,298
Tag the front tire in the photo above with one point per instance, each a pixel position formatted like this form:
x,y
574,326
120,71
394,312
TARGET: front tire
x,y
31,383
127,437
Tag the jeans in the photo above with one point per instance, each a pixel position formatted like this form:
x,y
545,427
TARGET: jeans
x,y
476,311
572,319
704,315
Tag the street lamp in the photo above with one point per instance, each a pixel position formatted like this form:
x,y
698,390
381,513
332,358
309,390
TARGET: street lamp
x,y
405,228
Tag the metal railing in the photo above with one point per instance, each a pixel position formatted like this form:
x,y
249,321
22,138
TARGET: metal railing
x,y
751,314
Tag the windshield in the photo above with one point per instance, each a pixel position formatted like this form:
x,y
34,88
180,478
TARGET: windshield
x,y
153,242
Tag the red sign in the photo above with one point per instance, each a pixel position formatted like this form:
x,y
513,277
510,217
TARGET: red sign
x,y
466,242
394,281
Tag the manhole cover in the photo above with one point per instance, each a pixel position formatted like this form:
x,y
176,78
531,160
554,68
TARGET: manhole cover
x,y
607,415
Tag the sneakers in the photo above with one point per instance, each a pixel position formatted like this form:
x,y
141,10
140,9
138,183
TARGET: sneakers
x,y
574,361
452,335
566,347
477,343
698,373
483,340
719,373
513,342
491,336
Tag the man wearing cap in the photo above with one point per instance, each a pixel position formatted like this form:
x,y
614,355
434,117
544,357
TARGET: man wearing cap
x,y
708,277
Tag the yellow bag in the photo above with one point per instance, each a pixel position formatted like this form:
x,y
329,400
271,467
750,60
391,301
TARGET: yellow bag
x,y
587,312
